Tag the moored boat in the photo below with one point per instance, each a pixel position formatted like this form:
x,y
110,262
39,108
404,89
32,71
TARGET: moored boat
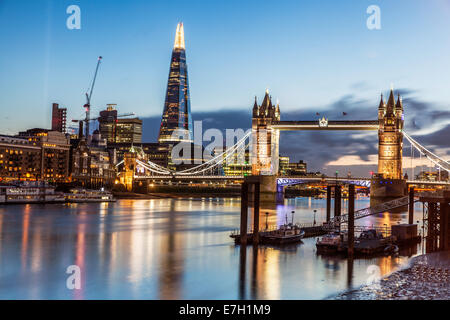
x,y
29,192
85,195
329,243
287,233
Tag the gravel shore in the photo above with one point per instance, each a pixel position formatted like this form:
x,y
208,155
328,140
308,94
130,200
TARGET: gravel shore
x,y
427,277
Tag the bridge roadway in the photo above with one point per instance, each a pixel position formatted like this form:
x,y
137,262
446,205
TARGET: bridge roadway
x,y
281,180
328,125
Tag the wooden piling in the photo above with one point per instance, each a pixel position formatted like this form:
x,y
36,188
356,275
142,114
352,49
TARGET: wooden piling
x,y
444,238
328,203
411,206
244,213
256,213
337,201
351,219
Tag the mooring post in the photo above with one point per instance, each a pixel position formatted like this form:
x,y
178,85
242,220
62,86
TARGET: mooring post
x,y
411,205
256,214
328,203
244,213
351,219
432,236
444,226
337,201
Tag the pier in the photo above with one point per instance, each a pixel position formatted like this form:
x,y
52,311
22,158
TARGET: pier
x,y
377,240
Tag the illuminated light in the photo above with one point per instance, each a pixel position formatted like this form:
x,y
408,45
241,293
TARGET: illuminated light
x,y
179,37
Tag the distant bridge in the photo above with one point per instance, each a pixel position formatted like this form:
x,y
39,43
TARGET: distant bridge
x,y
282,181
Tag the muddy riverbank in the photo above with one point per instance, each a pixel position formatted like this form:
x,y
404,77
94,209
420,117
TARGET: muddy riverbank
x,y
426,277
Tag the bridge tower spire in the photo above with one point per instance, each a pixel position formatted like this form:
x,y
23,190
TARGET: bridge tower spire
x,y
381,108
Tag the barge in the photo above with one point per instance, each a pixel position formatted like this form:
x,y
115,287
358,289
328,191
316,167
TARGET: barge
x,y
41,192
30,192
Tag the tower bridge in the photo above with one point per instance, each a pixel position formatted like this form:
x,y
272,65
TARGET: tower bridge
x,y
264,140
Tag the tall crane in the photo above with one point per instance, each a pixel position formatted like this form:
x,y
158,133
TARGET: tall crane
x,y
87,106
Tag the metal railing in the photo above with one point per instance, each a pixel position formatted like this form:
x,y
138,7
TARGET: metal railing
x,y
237,232
380,208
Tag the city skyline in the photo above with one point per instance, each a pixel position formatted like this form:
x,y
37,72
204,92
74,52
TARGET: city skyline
x,y
294,66
226,155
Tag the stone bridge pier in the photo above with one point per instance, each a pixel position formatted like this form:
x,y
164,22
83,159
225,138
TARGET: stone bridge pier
x,y
269,191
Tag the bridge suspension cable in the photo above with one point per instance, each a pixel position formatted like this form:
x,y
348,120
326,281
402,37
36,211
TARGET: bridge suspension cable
x,y
441,163
208,165
220,158
150,166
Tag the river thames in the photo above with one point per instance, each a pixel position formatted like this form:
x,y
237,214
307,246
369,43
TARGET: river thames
x,y
173,249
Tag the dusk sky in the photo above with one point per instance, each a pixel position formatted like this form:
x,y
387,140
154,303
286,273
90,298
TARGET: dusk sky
x,y
314,56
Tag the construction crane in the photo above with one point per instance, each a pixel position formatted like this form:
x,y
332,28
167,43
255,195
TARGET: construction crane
x,y
87,106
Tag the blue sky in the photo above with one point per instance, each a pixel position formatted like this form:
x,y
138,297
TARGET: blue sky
x,y
310,54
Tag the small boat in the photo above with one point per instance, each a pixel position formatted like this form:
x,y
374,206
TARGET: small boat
x,y
329,243
287,233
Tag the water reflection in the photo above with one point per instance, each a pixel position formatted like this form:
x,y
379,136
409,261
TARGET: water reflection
x,y
170,249
171,269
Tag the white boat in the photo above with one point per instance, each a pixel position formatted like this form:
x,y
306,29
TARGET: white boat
x,y
85,195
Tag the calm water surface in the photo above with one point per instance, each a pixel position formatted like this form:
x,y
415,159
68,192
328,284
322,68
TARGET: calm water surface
x,y
170,249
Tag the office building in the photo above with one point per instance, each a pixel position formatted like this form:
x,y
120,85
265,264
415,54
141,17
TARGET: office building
x,y
59,116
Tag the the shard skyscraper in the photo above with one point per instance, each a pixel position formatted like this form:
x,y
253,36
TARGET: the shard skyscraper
x,y
176,123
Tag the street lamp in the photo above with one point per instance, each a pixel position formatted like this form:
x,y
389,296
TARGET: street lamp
x,y
314,223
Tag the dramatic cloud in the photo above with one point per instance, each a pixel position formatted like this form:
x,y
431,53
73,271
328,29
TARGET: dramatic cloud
x,y
328,151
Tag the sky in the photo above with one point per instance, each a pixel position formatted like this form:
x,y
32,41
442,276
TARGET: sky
x,y
314,56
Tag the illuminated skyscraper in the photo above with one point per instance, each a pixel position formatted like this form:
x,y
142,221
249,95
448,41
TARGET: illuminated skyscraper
x,y
176,123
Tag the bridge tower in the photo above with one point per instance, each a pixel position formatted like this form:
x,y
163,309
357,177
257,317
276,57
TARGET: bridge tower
x,y
129,161
265,139
389,182
390,138
265,149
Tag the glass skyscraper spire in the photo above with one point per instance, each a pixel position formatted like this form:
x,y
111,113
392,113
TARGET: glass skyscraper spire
x,y
176,123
